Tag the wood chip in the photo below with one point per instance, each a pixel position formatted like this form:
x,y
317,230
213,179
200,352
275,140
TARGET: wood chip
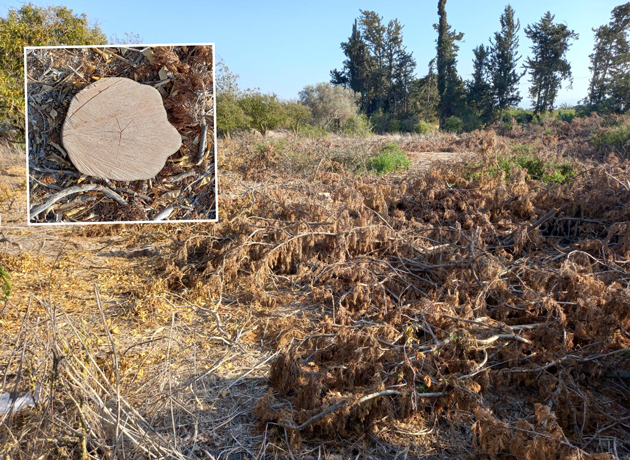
x,y
117,129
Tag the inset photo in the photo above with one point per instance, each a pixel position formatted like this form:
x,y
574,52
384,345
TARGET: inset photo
x,y
121,134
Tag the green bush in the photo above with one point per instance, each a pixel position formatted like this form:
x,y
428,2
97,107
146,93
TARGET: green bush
x,y
393,125
5,283
264,111
471,121
311,131
537,168
453,125
296,115
616,137
230,115
34,25
357,125
521,116
407,125
423,127
566,115
390,159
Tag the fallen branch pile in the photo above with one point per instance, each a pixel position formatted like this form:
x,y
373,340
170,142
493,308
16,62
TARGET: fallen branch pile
x,y
498,307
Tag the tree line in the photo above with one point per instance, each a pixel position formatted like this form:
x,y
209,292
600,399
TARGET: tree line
x,y
380,69
377,88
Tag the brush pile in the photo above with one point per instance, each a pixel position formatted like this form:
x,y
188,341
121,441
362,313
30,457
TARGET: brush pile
x,y
478,309
494,310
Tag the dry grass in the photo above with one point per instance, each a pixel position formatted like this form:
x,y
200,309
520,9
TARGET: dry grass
x,y
420,315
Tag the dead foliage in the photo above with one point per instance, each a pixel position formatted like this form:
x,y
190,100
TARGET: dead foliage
x,y
418,314
183,190
443,302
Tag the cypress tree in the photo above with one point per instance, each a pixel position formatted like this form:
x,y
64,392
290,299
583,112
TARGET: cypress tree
x,y
450,85
378,66
479,88
504,61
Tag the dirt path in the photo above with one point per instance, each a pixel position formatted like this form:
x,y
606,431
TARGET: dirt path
x,y
422,161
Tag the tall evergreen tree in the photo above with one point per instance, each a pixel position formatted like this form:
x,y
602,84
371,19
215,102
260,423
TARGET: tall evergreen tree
x,y
479,96
610,63
548,65
450,85
378,66
423,96
504,61
354,74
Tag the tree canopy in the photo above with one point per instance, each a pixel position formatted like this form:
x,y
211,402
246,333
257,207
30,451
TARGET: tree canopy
x,y
609,88
330,106
450,86
378,66
548,66
503,61
33,25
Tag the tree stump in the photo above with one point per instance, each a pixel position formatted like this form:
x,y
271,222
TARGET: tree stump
x,y
117,129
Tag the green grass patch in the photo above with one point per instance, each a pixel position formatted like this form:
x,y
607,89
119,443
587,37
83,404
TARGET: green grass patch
x,y
546,171
390,159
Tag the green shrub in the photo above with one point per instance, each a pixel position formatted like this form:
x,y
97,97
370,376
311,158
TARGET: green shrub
x,y
521,116
390,159
423,127
296,115
566,114
34,25
358,125
616,136
453,125
311,131
265,111
471,121
546,171
408,124
393,125
5,283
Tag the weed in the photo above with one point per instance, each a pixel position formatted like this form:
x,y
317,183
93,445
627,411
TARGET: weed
x,y
522,149
617,137
390,159
546,171
5,283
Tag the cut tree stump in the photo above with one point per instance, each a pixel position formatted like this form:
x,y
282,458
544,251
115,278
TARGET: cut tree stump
x,y
117,129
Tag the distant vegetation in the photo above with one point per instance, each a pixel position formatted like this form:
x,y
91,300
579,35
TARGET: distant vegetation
x,y
377,90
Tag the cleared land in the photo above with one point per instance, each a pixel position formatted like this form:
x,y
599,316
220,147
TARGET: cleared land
x,y
476,307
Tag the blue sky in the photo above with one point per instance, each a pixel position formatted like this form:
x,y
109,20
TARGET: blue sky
x,y
281,46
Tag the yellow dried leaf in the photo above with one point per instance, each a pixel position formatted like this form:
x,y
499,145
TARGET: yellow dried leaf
x,y
204,181
148,53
